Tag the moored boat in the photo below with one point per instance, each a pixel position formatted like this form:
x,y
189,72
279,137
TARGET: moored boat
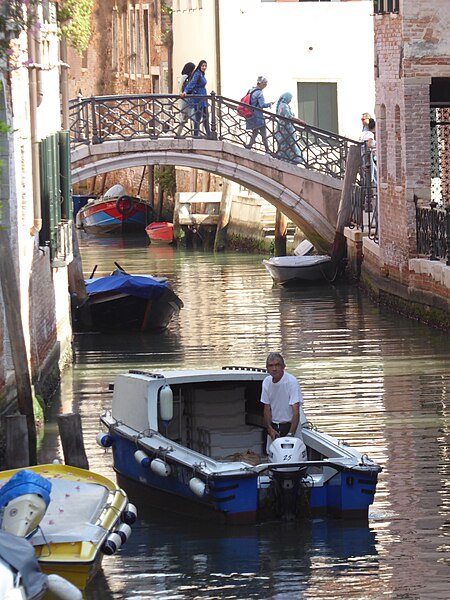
x,y
75,517
196,440
114,212
301,269
160,232
123,301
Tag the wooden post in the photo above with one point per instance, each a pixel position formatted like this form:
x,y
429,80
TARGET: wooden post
x,y
281,222
176,218
16,439
77,286
345,206
11,299
224,217
71,435
151,185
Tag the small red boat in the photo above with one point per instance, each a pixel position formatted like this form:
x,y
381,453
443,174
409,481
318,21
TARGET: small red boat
x,y
160,232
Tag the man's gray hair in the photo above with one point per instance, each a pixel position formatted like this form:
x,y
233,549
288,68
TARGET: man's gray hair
x,y
275,357
261,79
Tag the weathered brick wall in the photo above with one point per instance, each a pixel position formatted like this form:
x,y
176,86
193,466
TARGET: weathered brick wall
x,y
410,49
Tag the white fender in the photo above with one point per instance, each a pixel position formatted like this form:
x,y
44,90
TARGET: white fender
x,y
129,515
141,458
159,467
124,531
63,589
166,403
104,439
111,544
197,487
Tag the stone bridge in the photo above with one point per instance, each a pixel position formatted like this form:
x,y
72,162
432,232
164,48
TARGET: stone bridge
x,y
112,133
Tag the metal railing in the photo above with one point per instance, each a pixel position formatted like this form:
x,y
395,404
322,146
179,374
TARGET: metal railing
x,y
433,231
364,215
164,116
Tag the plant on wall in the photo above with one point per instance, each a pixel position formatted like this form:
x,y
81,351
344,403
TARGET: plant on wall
x,y
75,21
15,16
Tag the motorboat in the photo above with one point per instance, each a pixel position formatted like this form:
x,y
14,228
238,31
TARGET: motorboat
x,y
114,212
195,441
71,517
300,269
123,301
160,232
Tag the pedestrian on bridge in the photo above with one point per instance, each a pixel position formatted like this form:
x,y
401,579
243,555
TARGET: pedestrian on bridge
x,y
285,132
257,122
199,104
185,110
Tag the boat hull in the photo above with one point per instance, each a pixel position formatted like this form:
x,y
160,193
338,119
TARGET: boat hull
x,y
105,216
160,233
299,269
70,537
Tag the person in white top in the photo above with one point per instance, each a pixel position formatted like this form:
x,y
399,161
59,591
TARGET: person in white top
x,y
282,397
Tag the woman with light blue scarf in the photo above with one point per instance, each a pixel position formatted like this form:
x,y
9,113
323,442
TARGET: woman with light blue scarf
x,y
285,133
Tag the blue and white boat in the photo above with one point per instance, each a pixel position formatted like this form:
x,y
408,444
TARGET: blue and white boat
x,y
196,440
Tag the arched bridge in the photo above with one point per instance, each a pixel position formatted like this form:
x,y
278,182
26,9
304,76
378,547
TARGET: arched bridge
x,y
299,170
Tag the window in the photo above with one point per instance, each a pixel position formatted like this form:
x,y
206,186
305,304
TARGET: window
x,y
138,41
56,198
146,42
385,6
132,23
114,34
317,104
398,147
125,42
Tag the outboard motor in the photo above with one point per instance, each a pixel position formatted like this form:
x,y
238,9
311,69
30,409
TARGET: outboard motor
x,y
286,480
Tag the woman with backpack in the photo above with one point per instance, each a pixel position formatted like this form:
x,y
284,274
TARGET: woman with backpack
x,y
185,111
256,122
199,105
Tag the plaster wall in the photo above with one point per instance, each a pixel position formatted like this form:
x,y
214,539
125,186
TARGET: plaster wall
x,y
287,43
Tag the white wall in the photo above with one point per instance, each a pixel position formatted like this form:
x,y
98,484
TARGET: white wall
x,y
274,39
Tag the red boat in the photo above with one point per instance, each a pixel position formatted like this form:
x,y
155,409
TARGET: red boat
x,y
160,232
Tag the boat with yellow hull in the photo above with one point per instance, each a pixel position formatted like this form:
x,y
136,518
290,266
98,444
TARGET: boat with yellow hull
x,y
88,516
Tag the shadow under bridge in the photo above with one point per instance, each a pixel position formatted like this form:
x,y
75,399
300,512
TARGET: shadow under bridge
x,y
300,169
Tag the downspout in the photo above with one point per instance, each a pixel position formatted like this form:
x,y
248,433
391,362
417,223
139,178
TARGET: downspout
x,y
35,95
217,40
64,84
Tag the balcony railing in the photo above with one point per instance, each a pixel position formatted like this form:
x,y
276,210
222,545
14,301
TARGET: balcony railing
x,y
433,231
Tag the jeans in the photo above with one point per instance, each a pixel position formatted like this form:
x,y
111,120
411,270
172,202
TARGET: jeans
x,y
201,116
263,133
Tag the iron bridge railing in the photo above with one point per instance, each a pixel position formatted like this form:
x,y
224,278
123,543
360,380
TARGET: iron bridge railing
x,y
364,214
98,119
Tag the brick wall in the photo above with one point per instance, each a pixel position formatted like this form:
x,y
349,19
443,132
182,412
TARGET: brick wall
x,y
410,49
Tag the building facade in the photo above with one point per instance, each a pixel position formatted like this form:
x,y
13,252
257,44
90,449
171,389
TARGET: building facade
x,y
35,217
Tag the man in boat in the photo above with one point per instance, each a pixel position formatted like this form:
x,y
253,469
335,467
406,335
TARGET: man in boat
x,y
281,396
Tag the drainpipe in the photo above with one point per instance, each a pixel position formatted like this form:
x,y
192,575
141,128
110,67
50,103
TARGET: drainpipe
x,y
35,95
217,37
64,84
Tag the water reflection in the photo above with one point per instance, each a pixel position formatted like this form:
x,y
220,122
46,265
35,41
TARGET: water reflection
x,y
377,380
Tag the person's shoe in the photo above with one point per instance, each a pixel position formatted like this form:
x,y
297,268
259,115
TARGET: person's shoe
x,y
247,146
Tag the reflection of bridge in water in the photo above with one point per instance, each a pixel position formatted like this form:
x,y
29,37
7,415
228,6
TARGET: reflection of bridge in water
x,y
116,132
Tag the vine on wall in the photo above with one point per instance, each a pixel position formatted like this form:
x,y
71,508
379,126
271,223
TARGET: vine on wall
x,y
75,20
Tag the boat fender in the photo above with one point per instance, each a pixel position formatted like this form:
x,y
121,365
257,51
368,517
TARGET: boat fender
x,y
141,458
104,439
197,486
63,589
125,205
124,531
159,467
166,403
111,544
129,515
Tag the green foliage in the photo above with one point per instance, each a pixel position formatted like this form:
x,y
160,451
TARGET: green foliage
x,y
166,178
75,20
15,16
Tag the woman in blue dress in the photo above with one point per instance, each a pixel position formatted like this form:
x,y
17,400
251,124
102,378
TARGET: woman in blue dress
x,y
199,105
285,133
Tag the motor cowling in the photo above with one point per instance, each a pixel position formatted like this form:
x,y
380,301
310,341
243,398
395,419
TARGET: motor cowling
x,y
286,480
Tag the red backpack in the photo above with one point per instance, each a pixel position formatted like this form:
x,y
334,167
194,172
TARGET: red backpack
x,y
243,111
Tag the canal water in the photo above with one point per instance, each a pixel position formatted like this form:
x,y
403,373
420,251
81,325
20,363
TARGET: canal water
x,y
374,379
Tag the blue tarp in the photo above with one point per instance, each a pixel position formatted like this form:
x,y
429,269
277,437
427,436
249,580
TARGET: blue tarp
x,y
143,286
25,482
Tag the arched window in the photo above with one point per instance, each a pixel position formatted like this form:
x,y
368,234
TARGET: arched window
x,y
382,144
398,147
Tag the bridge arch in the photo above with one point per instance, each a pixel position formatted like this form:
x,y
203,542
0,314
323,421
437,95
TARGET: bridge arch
x,y
310,199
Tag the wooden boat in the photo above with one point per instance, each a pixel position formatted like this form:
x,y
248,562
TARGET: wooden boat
x,y
86,517
195,441
160,232
303,269
121,301
114,212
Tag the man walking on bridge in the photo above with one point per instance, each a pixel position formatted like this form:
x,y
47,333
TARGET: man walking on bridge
x,y
257,122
